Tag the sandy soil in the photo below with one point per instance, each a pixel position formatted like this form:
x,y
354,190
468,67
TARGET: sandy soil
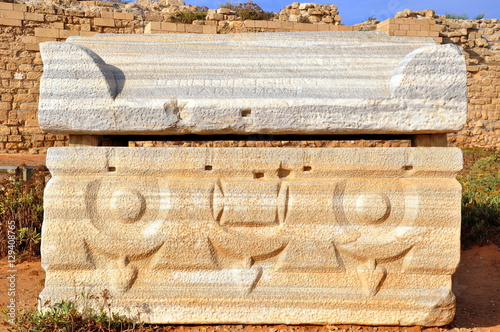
x,y
21,159
476,285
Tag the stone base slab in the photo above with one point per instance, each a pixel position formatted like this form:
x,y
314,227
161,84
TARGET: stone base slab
x,y
256,235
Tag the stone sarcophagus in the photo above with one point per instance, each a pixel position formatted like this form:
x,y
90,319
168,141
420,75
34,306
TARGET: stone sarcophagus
x,y
255,235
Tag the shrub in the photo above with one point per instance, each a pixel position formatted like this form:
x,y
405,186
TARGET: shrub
x,y
66,316
188,17
481,201
457,16
248,10
228,4
21,202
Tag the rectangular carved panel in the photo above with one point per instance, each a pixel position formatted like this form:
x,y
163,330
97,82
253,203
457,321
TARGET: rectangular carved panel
x,y
256,235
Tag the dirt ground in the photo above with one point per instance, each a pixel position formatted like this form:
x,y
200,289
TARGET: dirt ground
x,y
476,285
21,159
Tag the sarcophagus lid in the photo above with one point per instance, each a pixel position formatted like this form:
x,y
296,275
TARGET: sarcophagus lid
x,y
280,83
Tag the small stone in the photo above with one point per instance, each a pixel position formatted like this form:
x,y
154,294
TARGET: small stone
x,y
429,13
225,11
306,5
327,19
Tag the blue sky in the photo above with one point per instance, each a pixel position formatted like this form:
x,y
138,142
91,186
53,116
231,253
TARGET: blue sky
x,y
353,11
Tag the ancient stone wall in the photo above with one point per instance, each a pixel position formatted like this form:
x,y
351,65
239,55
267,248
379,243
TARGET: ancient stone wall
x,y
24,26
243,26
480,40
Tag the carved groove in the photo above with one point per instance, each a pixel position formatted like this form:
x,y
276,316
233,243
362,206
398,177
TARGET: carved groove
x,y
283,203
217,201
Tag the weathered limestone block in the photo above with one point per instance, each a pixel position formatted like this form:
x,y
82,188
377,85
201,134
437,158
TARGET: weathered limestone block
x,y
352,83
256,235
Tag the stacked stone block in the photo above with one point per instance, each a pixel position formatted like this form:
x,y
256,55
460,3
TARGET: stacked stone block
x,y
310,13
221,14
22,29
245,26
411,27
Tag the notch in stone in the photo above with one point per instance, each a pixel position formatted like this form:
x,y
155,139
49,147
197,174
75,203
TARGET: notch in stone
x,y
246,112
306,168
208,167
258,175
111,169
408,167
283,173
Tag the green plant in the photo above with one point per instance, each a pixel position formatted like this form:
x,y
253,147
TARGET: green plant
x,y
66,316
27,235
21,214
457,16
371,18
120,2
188,17
481,201
247,10
228,4
464,16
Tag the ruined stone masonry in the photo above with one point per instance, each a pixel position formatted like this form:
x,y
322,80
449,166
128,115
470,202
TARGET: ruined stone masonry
x,y
310,13
192,235
24,25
